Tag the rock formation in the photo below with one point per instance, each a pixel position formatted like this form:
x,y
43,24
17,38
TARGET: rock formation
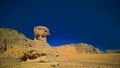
x,y
14,51
71,50
15,44
39,46
86,48
40,33
17,51
9,37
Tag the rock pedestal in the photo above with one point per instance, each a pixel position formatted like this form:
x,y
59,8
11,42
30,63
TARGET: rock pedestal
x,y
39,46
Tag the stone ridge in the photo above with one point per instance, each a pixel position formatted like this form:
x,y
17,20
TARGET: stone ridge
x,y
86,48
9,37
74,49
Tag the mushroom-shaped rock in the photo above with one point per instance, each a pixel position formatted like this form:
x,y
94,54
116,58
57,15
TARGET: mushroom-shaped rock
x,y
40,32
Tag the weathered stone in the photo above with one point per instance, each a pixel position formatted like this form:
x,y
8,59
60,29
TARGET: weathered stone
x,y
39,46
70,49
86,48
40,33
10,37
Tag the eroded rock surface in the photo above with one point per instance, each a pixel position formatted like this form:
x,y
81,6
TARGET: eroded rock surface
x,y
37,53
10,37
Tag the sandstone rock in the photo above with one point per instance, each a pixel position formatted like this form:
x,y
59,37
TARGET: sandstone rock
x,y
39,46
14,51
41,32
37,51
76,49
9,37
86,48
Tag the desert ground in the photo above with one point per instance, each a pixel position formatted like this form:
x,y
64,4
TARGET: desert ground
x,y
93,61
79,61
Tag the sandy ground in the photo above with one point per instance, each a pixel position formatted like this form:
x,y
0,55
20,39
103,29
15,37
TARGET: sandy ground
x,y
79,61
93,61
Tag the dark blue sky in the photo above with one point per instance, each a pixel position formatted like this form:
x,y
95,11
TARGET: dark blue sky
x,y
95,22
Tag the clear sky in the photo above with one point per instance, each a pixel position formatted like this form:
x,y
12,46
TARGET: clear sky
x,y
96,22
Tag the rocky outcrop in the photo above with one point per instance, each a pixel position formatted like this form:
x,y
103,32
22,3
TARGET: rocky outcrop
x,y
40,33
9,37
14,51
37,53
76,49
39,46
15,44
86,48
39,50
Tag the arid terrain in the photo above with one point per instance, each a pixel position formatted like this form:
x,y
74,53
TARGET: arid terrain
x,y
80,61
17,51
